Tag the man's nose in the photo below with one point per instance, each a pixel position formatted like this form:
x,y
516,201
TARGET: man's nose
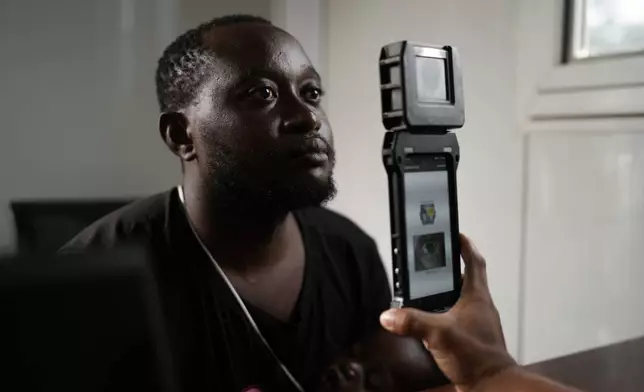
x,y
301,120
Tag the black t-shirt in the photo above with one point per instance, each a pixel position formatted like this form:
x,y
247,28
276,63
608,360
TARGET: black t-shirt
x,y
344,291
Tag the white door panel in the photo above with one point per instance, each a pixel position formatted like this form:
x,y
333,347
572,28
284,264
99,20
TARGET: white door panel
x,y
585,242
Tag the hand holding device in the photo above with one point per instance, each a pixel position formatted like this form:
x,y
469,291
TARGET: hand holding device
x,y
467,342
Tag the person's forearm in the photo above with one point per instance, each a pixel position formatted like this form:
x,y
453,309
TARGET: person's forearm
x,y
520,380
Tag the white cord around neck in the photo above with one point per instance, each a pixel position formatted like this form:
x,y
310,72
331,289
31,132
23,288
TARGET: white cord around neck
x,y
235,294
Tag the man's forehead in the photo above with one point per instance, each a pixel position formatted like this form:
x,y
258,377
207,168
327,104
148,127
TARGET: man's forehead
x,y
252,48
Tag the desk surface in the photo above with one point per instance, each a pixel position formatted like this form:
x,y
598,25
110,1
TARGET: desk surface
x,y
618,367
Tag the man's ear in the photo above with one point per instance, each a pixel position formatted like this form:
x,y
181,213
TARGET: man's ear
x,y
174,129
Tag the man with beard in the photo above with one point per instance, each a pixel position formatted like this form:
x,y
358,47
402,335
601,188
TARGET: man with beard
x,y
261,287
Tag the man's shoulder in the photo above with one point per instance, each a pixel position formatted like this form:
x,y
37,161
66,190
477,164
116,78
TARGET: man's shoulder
x,y
332,224
137,221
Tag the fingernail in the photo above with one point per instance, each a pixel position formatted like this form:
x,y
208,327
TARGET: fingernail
x,y
388,319
350,371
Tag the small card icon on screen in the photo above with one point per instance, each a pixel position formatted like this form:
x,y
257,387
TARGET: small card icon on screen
x,y
427,213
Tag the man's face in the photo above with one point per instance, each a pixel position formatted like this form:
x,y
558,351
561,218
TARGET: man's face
x,y
257,126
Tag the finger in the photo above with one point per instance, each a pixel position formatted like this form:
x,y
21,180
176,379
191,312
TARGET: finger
x,y
475,267
353,372
349,370
433,329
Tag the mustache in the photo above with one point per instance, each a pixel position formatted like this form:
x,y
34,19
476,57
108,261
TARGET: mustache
x,y
309,145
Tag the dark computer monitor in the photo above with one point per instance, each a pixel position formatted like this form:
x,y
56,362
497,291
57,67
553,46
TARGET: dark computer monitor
x,y
44,226
82,323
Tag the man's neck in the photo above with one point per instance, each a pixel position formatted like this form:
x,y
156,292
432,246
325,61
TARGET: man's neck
x,y
239,238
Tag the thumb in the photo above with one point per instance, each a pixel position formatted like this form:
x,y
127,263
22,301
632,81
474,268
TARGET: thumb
x,y
415,323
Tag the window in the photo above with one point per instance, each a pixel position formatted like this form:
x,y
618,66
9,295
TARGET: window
x,y
598,28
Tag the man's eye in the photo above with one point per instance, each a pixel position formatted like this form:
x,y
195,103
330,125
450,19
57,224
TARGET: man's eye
x,y
265,93
313,94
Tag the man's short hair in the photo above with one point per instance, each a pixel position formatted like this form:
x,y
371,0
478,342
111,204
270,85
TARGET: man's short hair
x,y
183,67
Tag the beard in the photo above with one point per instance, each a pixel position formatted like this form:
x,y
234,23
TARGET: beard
x,y
266,188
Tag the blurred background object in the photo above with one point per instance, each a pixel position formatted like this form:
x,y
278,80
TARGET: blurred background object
x,y
45,226
66,328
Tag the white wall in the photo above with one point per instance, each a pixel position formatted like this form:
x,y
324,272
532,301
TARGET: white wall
x,y
194,12
78,105
490,170
307,21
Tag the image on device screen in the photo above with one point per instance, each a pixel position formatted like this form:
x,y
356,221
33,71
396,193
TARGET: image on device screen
x,y
429,251
428,224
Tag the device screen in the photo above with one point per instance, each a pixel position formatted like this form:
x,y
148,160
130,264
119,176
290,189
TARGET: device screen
x,y
431,79
428,225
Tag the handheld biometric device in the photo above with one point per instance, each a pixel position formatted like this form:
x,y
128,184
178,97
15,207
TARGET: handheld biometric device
x,y
422,101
